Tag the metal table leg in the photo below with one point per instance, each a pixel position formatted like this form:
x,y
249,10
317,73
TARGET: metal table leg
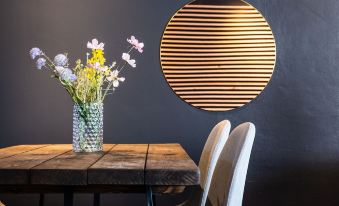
x,y
41,199
96,200
68,197
149,196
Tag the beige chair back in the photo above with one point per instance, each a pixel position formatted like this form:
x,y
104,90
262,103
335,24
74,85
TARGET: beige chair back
x,y
228,181
210,154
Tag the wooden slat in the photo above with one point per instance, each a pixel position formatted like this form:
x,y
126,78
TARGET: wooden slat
x,y
16,169
238,96
233,71
219,20
216,88
219,105
207,101
228,58
259,62
14,150
169,164
213,92
218,6
182,76
219,80
225,15
67,169
216,33
220,109
222,43
220,37
230,48
218,24
218,11
123,165
183,28
194,67
175,84
204,55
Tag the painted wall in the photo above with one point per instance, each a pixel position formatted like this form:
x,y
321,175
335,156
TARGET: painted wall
x,y
295,159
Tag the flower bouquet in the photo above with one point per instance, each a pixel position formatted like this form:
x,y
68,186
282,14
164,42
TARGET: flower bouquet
x,y
88,84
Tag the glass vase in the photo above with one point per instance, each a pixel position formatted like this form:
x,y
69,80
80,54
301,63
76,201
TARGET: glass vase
x,y
88,127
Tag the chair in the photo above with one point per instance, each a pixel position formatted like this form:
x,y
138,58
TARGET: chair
x,y
210,154
208,160
228,181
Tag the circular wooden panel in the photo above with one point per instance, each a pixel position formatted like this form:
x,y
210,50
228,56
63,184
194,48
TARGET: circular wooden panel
x,y
217,56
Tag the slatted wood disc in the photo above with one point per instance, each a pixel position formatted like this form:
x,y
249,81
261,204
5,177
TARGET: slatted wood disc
x,y
217,55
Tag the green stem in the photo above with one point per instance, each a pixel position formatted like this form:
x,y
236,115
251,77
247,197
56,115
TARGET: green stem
x,y
108,87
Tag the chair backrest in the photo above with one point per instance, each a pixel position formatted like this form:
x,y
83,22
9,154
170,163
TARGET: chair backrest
x,y
210,154
228,182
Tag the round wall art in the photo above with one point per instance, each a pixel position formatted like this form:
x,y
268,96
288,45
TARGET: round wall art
x,y
217,55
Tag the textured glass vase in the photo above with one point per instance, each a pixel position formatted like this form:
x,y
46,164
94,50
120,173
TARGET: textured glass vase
x,y
88,127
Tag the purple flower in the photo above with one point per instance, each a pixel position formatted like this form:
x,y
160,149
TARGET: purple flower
x,y
60,60
35,52
40,63
73,77
67,75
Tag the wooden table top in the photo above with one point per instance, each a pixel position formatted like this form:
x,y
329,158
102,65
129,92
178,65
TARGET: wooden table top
x,y
118,164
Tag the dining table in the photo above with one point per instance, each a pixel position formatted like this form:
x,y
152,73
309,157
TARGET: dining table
x,y
120,168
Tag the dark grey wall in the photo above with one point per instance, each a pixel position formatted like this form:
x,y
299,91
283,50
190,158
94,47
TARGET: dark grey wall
x,y
295,159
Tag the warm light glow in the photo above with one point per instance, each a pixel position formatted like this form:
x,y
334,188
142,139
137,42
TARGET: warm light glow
x,y
217,57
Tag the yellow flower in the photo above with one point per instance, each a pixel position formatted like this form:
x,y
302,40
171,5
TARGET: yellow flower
x,y
97,56
90,73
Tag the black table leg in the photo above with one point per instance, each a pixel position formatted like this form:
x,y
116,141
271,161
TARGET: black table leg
x,y
96,200
41,199
68,197
153,199
149,196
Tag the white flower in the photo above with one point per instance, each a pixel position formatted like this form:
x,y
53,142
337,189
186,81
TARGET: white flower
x,y
95,45
59,69
113,77
136,44
113,64
98,67
128,59
102,69
66,74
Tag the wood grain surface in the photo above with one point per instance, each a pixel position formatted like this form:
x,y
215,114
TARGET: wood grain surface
x,y
169,164
16,169
66,169
124,165
127,165
11,151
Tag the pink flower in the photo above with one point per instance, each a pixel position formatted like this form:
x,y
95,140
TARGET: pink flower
x,y
95,45
135,43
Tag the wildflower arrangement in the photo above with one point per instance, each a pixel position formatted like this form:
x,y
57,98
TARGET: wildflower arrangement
x,y
88,84
92,81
